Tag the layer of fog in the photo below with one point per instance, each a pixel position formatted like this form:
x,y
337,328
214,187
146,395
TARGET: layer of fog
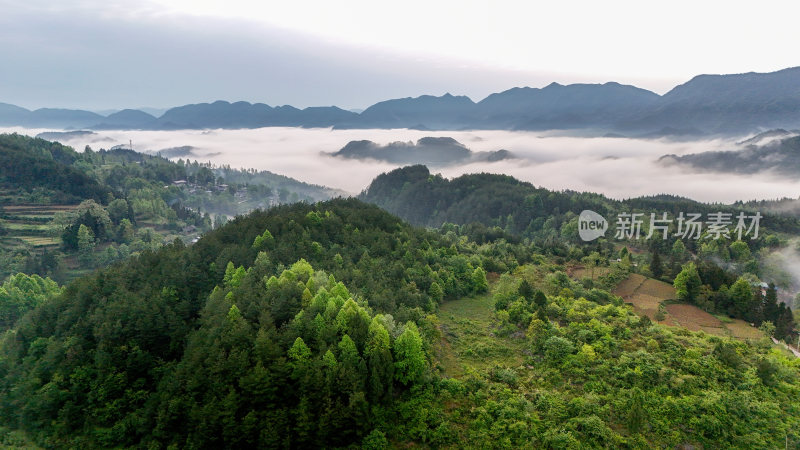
x,y
617,167
783,268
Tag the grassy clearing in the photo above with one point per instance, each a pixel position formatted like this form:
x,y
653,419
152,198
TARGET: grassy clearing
x,y
742,330
26,229
23,225
468,339
41,209
579,272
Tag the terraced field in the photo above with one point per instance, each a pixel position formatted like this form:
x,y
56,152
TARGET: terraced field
x,y
646,294
28,225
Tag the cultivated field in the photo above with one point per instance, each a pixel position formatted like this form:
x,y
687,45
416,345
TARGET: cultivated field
x,y
742,330
580,272
28,225
629,285
695,319
646,294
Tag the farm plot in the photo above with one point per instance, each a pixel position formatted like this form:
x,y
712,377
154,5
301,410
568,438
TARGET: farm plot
x,y
695,319
583,272
28,225
629,286
647,294
742,330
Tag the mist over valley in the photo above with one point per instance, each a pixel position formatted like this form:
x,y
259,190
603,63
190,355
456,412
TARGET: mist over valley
x,y
615,166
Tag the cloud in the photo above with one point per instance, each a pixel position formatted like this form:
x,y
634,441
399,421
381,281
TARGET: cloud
x,y
619,168
95,55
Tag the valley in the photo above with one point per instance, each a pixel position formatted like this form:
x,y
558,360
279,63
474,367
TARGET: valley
x,y
415,225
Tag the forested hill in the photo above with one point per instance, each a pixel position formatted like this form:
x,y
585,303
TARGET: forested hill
x,y
318,326
424,199
518,207
35,164
780,157
266,333
125,201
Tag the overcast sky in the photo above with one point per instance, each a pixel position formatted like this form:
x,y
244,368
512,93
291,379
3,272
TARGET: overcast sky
x,y
111,54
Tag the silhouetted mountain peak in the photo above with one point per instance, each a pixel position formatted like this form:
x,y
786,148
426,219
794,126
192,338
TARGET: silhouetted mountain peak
x,y
126,119
729,104
735,103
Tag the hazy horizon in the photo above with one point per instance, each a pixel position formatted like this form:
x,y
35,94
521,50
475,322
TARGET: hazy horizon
x,y
94,55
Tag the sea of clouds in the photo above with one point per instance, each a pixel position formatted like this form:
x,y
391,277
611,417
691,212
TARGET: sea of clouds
x,y
617,167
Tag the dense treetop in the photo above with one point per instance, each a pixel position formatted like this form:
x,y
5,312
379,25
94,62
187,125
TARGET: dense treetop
x,y
316,325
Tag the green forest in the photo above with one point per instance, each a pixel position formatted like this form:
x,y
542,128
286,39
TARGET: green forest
x,y
64,213
721,271
429,313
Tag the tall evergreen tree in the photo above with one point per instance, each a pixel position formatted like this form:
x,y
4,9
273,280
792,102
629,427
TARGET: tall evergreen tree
x,y
742,299
655,265
410,359
687,283
380,364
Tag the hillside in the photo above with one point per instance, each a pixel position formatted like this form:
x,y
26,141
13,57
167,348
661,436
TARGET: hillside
x,y
337,324
424,112
730,103
780,157
487,207
127,118
564,107
422,198
517,207
38,165
126,202
222,114
172,318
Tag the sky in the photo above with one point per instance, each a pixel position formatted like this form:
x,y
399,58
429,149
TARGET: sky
x,y
115,54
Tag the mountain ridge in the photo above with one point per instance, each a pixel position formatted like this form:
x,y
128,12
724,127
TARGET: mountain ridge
x,y
712,104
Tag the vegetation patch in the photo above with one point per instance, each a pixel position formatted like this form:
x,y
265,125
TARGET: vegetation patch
x,y
743,330
579,272
470,340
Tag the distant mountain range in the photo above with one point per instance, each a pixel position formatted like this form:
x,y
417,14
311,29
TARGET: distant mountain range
x,y
707,104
